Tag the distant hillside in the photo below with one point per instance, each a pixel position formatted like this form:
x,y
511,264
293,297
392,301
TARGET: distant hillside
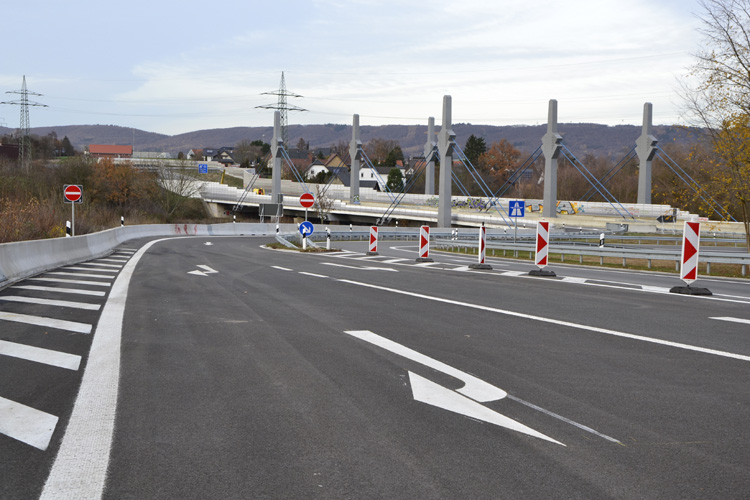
x,y
581,138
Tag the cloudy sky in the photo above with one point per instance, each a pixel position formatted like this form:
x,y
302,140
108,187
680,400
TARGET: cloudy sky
x,y
174,67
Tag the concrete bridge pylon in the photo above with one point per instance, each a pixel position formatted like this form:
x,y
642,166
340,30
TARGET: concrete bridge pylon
x,y
446,144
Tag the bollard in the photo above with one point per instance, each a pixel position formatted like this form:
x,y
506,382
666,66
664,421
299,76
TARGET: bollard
x,y
234,219
601,240
67,229
328,239
304,242
277,229
122,221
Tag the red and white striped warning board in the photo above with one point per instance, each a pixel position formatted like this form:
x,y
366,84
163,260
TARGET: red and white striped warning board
x,y
424,242
482,244
690,243
542,244
373,248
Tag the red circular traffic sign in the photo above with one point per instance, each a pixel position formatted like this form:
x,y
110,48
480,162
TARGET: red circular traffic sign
x,y
307,200
72,193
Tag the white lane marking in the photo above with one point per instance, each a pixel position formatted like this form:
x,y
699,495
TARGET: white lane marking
x,y
26,424
59,324
313,274
433,394
60,290
39,355
566,420
281,268
570,324
121,261
49,302
654,289
80,275
197,273
426,264
206,269
73,282
475,388
98,264
394,261
361,268
571,279
733,320
81,464
514,273
71,268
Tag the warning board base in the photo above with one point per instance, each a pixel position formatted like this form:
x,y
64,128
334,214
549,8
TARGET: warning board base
x,y
688,290
542,273
485,267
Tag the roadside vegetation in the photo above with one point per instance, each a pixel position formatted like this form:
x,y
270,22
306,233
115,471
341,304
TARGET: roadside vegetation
x,y
32,207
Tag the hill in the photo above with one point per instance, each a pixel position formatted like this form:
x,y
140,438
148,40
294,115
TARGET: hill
x,y
581,138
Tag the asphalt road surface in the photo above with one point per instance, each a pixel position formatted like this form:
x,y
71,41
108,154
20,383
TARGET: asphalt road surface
x,y
216,368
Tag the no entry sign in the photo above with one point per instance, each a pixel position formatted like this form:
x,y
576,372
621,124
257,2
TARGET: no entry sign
x,y
307,200
73,193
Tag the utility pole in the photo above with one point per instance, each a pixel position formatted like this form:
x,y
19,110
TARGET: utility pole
x,y
282,107
24,141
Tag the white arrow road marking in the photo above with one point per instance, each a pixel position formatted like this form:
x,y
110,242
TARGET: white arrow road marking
x,y
733,320
433,394
206,270
361,268
475,388
26,424
208,243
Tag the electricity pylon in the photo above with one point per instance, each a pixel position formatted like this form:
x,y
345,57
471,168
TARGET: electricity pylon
x,y
24,142
282,106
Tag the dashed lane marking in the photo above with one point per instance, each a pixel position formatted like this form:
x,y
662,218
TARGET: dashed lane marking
x,y
313,274
733,320
26,424
49,302
59,324
39,355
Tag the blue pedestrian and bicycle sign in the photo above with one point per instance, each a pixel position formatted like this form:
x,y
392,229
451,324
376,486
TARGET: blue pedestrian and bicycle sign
x,y
203,168
306,228
516,208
